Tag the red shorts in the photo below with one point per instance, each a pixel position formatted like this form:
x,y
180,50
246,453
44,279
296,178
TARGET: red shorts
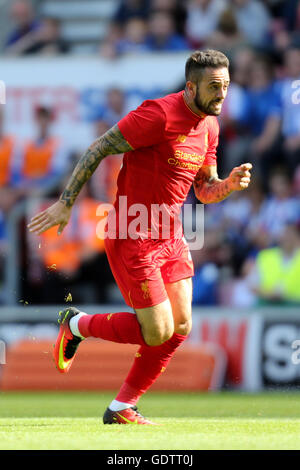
x,y
141,268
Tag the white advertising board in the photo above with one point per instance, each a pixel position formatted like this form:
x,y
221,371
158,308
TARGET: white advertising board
x,y
76,88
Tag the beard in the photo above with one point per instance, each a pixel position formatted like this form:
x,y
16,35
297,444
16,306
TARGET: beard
x,y
206,108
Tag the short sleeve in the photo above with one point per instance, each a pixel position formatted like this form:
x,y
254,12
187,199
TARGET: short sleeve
x,y
213,140
145,126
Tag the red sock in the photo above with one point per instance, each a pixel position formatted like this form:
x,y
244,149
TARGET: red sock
x,y
148,364
121,327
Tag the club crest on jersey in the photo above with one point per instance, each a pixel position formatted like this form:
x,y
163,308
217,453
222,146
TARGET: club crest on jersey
x,y
181,138
145,289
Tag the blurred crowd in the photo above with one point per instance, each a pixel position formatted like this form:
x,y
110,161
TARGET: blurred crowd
x,y
140,26
251,250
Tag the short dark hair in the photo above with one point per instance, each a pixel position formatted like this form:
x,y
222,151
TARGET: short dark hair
x,y
199,60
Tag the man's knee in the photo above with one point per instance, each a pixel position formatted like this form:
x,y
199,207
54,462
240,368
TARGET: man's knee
x,y
158,334
157,323
184,328
180,295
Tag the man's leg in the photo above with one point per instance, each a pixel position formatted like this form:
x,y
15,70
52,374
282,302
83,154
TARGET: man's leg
x,y
159,330
180,296
121,327
151,327
153,357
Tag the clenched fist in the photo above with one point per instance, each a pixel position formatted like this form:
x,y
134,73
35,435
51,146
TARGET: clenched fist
x,y
239,177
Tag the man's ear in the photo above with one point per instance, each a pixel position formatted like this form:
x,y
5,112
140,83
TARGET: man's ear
x,y
191,89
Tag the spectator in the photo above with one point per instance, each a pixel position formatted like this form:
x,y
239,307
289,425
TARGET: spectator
x,y
128,9
23,18
280,208
9,154
176,9
103,184
46,39
202,20
253,20
4,247
286,11
280,38
9,195
296,182
252,114
289,95
115,107
233,134
235,292
262,116
227,37
291,14
134,40
242,63
7,148
162,36
256,236
275,275
49,41
204,282
285,26
235,213
232,221
74,262
108,47
44,160
206,262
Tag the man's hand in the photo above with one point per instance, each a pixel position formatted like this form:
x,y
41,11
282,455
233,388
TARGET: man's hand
x,y
239,177
57,214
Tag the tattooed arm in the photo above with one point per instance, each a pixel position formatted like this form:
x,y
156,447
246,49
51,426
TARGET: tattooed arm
x,y
112,142
209,188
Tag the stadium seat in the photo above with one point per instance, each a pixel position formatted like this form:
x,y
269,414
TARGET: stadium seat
x,y
84,24
68,9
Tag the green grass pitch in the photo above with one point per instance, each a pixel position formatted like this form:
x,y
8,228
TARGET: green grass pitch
x,y
190,421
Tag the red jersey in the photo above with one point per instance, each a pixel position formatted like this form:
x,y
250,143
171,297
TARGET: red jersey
x,y
170,144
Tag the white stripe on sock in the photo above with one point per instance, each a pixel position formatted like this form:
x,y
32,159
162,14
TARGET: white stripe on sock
x,y
73,324
118,405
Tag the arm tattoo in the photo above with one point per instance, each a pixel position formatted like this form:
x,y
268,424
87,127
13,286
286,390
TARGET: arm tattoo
x,y
211,189
112,142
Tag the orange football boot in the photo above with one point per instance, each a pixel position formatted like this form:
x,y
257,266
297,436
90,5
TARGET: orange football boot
x,y
128,416
66,344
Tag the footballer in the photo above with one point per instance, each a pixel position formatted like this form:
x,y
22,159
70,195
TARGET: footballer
x,y
169,144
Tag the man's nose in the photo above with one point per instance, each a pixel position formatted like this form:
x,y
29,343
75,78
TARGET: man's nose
x,y
222,93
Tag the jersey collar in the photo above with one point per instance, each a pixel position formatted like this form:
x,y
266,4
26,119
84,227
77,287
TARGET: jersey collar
x,y
195,116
